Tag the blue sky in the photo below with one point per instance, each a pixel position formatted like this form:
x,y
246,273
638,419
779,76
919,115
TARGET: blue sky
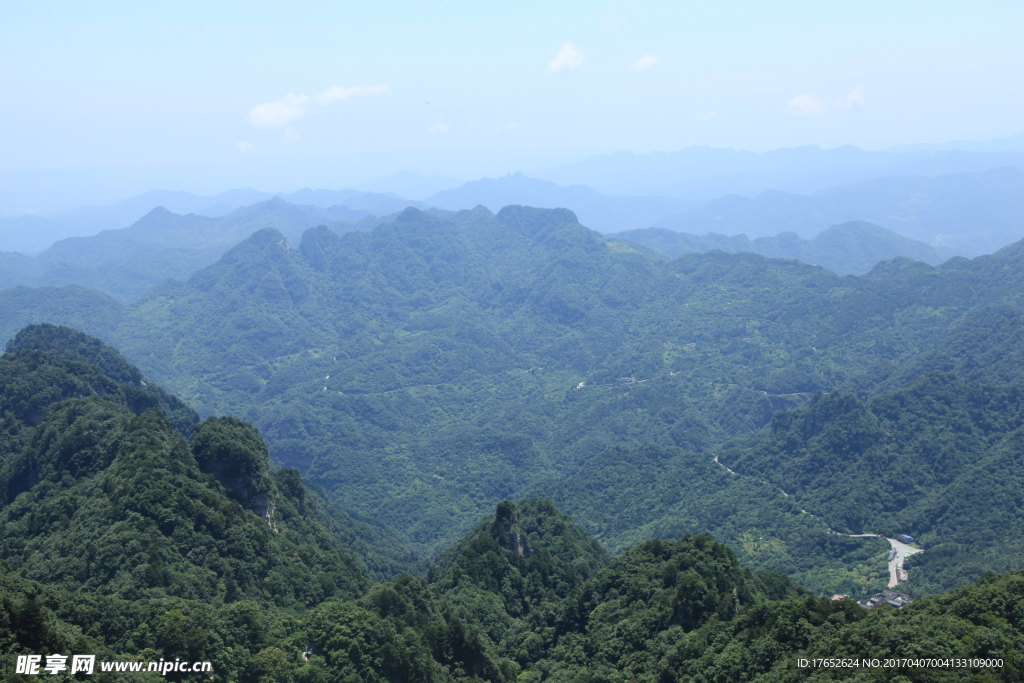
x,y
465,88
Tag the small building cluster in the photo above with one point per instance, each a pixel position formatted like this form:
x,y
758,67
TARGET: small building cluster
x,y
895,598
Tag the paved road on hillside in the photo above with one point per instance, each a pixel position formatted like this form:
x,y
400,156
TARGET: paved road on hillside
x,y
897,562
896,573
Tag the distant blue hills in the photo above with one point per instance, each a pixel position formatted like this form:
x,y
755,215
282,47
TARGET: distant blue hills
x,y
703,173
610,193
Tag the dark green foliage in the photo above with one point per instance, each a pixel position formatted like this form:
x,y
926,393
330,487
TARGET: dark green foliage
x,y
101,500
131,514
31,381
68,344
687,611
939,459
114,541
427,370
396,633
233,452
526,555
669,493
674,610
656,587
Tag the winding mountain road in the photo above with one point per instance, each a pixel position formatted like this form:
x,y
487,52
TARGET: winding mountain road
x,y
896,571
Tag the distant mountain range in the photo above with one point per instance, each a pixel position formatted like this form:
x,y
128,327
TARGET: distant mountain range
x,y
703,173
125,263
1012,143
926,219
31,233
848,249
963,213
658,184
595,210
970,213
411,185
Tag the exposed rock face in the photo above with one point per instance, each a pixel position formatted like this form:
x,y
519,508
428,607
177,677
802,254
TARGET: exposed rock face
x,y
507,531
235,454
241,483
517,543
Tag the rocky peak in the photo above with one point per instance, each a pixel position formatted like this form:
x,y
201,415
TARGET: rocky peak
x,y
507,531
235,454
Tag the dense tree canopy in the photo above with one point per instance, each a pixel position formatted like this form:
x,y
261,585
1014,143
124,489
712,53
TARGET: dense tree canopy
x,y
425,370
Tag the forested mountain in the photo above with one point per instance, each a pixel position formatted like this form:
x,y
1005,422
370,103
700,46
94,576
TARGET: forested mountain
x,y
971,213
122,539
32,233
78,307
426,369
511,603
125,263
118,536
846,249
95,473
939,458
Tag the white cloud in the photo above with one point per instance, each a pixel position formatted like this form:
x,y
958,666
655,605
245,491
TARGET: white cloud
x,y
506,128
805,105
855,100
279,113
705,115
290,135
438,128
645,62
340,92
282,112
245,147
569,57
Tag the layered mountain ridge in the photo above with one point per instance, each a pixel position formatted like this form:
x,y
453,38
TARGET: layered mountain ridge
x,y
435,365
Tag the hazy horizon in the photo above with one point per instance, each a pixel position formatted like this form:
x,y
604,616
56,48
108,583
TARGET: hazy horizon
x,y
66,188
117,99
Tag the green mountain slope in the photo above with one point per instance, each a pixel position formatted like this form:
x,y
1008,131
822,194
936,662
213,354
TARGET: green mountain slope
x,y
425,370
120,538
101,493
78,307
938,459
528,554
687,611
127,262
528,596
448,350
65,344
627,496
437,365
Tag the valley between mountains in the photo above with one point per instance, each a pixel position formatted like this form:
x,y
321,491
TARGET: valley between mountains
x,y
671,458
